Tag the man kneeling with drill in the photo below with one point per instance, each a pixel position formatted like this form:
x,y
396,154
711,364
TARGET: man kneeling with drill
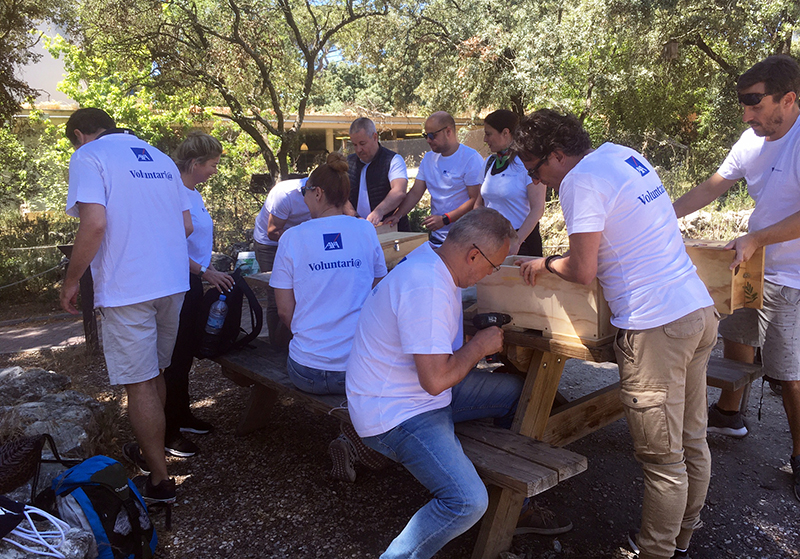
x,y
409,378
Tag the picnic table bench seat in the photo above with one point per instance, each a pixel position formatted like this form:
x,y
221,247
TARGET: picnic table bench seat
x,y
512,465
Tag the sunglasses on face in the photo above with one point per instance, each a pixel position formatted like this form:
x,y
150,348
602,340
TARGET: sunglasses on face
x,y
432,135
534,173
306,188
750,99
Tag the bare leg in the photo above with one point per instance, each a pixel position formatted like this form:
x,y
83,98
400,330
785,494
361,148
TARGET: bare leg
x,y
146,414
791,403
731,400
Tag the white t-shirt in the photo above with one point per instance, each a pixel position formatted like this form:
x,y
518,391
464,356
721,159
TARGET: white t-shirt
x,y
330,263
772,172
647,277
143,254
415,310
507,192
285,202
447,179
201,241
397,170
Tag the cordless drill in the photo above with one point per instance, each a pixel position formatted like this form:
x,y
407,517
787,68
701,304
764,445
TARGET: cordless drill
x,y
485,320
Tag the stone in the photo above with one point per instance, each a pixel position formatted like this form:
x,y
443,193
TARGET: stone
x,y
222,262
18,385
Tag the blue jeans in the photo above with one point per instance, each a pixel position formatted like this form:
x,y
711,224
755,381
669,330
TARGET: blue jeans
x,y
315,381
428,447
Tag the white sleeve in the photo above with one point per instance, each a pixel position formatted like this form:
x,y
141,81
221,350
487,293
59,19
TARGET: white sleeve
x,y
283,267
379,264
473,169
397,169
425,162
730,168
86,183
583,206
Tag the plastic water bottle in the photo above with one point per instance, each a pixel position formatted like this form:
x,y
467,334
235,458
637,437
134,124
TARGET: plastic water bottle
x,y
216,316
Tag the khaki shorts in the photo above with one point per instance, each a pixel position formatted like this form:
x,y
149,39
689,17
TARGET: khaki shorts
x,y
138,339
775,328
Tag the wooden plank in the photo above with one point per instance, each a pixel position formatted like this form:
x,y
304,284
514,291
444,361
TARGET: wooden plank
x,y
538,394
398,244
731,375
498,524
259,406
583,416
555,307
730,289
500,468
383,228
565,462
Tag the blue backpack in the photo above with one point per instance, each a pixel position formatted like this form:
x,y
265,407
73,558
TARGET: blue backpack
x,y
98,496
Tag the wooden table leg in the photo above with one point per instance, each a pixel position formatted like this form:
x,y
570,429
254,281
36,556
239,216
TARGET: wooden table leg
x,y
259,405
499,522
538,394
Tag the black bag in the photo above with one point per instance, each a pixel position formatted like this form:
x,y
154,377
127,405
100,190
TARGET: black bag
x,y
214,345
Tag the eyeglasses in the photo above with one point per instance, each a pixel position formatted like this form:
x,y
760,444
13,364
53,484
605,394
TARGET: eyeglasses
x,y
534,173
496,268
432,135
306,188
750,99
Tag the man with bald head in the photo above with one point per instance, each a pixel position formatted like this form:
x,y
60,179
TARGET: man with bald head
x,y
378,176
451,172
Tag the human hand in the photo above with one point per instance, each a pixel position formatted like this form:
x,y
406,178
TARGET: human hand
x,y
374,218
529,269
222,281
490,340
69,298
433,222
391,219
745,246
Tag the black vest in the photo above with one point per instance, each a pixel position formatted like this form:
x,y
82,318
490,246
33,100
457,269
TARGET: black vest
x,y
378,184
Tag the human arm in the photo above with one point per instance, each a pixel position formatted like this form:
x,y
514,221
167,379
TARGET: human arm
x,y
434,222
275,227
412,199
438,372
187,223
286,303
91,230
478,201
397,192
702,195
786,229
536,200
221,280
579,265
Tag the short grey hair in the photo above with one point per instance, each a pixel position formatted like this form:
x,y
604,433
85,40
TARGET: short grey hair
x,y
363,124
484,227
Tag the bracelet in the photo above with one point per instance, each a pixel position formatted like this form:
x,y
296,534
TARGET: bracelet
x,y
549,260
446,219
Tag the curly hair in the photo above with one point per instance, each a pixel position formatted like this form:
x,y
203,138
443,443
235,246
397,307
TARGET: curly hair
x,y
780,75
332,179
544,131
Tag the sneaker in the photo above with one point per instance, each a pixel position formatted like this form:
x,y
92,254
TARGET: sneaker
x,y
795,461
180,446
195,425
728,425
679,554
372,459
133,454
776,387
536,520
164,492
344,459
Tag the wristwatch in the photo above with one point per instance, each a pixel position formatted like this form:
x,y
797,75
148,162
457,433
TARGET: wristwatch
x,y
203,270
446,219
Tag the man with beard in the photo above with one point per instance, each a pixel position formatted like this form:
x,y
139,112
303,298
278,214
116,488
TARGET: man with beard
x,y
767,157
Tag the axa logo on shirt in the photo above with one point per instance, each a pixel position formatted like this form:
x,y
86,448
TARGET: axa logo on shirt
x,y
638,165
141,154
332,241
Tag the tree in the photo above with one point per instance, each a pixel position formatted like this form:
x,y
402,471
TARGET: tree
x,y
257,58
18,21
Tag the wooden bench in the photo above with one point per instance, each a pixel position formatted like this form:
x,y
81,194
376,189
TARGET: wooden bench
x,y
728,374
513,466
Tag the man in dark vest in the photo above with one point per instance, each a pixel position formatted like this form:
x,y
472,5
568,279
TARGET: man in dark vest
x,y
378,176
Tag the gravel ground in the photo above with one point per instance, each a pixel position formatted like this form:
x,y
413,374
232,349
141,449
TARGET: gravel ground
x,y
269,494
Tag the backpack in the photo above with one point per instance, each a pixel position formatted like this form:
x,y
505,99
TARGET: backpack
x,y
97,496
228,339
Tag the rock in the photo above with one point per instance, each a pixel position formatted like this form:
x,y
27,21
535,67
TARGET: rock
x,y
222,262
18,385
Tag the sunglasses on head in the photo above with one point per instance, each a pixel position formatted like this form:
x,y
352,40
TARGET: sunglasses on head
x,y
432,135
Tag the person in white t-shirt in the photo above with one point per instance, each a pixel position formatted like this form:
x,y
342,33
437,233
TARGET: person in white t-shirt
x,y
507,187
451,172
410,377
197,158
283,209
622,230
134,220
378,176
767,156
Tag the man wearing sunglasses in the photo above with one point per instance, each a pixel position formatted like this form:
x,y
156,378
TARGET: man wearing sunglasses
x,y
451,172
622,230
766,156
